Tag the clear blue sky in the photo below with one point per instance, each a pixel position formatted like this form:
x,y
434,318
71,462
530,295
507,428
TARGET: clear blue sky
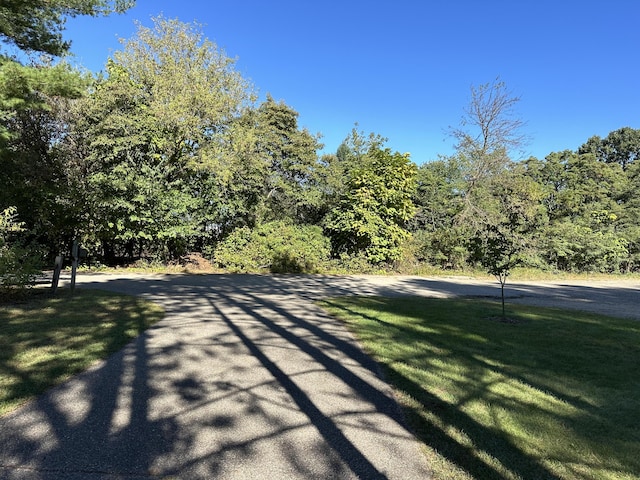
x,y
404,68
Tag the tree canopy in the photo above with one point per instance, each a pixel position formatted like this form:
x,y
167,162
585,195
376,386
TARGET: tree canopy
x,y
172,152
375,206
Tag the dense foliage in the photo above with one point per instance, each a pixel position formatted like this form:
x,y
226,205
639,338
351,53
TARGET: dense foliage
x,y
277,247
18,265
170,153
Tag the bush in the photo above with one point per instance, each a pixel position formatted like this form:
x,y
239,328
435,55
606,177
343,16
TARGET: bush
x,y
19,265
573,247
444,248
278,247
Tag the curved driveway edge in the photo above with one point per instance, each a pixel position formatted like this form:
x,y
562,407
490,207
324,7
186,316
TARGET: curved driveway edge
x,y
245,378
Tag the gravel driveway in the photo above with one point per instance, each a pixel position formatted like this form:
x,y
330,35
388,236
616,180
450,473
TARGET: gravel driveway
x,y
246,378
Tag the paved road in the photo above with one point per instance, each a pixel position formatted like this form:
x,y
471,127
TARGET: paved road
x,y
245,378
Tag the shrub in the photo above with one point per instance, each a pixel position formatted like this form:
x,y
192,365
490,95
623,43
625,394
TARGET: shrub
x,y
278,247
573,247
19,265
444,248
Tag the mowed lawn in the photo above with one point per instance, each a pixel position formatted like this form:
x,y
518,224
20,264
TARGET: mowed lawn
x,y
547,394
45,340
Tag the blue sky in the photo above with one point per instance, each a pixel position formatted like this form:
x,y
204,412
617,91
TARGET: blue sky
x,y
404,68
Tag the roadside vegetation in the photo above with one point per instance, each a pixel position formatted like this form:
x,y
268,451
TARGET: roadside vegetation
x,y
171,156
45,340
541,394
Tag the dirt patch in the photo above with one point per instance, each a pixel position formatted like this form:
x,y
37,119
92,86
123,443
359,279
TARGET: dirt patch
x,y
196,262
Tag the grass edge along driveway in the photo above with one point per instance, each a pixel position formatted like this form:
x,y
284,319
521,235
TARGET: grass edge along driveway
x,y
45,340
545,394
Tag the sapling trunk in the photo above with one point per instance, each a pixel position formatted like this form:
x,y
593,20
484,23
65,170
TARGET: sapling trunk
x,y
502,278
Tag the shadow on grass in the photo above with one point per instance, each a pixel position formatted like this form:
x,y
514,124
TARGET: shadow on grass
x,y
46,339
585,365
464,456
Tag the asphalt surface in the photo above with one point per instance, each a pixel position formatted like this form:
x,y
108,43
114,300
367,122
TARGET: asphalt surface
x,y
245,378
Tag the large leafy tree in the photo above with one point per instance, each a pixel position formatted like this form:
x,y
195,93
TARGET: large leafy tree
x,y
585,201
621,146
376,204
38,178
630,216
153,131
336,168
33,105
190,85
578,184
283,161
438,237
438,195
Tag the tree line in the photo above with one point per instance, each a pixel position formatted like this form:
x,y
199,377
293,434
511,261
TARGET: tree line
x,y
169,152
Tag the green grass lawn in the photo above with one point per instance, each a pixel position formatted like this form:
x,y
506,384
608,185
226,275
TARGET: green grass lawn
x,y
550,394
44,340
